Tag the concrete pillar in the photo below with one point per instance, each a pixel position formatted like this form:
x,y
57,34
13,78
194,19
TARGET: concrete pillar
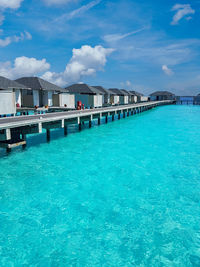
x,y
132,113
124,114
113,117
128,113
48,135
119,116
106,119
79,127
90,124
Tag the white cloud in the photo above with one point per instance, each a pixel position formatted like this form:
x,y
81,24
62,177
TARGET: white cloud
x,y
23,66
10,3
77,12
167,70
126,84
15,39
118,36
181,11
85,61
84,8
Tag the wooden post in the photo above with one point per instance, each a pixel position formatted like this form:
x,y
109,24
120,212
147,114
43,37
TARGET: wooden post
x,y
90,123
113,117
106,119
124,114
48,135
128,113
119,116
79,127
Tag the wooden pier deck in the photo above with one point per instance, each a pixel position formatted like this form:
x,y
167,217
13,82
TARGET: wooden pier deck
x,y
13,130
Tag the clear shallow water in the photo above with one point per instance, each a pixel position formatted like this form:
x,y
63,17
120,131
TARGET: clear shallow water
x,y
122,194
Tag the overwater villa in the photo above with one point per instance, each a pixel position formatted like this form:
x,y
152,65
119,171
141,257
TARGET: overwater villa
x,y
162,95
10,95
132,98
44,93
123,96
139,96
89,96
114,98
106,94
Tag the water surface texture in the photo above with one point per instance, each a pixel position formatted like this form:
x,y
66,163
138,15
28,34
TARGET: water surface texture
x,y
122,194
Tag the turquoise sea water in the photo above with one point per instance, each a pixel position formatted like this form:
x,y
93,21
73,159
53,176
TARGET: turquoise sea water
x,y
122,194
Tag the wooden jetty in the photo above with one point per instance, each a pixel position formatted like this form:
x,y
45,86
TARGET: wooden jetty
x,y
13,130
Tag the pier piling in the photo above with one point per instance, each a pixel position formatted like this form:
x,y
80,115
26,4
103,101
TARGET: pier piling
x,y
48,135
65,130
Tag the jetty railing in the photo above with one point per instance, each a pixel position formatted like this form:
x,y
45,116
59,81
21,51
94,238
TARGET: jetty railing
x,y
13,130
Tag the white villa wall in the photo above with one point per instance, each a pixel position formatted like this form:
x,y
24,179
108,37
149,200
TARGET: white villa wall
x,y
36,101
98,101
47,98
126,99
144,98
18,97
7,102
67,99
114,99
50,98
135,99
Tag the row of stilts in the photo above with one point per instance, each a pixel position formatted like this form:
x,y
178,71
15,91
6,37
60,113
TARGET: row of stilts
x,y
81,124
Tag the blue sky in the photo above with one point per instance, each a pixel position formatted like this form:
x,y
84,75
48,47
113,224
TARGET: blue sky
x,y
148,46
